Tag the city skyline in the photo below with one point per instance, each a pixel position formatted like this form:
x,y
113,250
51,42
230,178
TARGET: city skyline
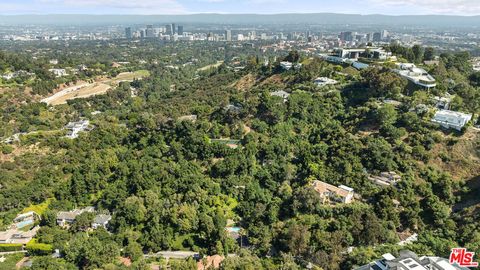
x,y
387,7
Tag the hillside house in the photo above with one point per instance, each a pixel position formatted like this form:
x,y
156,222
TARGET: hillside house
x,y
443,103
16,236
101,220
26,219
451,119
415,75
286,65
323,81
281,94
65,218
58,72
332,194
74,128
385,178
408,260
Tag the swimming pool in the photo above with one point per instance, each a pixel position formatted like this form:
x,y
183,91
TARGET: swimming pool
x,y
233,229
24,223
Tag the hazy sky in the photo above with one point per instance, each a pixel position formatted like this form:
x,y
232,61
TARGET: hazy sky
x,y
395,7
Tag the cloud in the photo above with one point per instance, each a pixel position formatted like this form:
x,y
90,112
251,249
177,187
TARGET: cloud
x,y
465,7
12,7
127,6
267,1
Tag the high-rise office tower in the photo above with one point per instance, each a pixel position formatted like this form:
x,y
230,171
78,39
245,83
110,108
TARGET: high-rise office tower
x,y
180,30
228,35
346,36
168,29
369,37
377,36
149,32
384,34
128,33
174,30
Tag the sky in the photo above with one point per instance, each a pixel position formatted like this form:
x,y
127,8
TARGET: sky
x,y
389,7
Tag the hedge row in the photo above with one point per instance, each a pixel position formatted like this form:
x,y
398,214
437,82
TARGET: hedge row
x,y
10,247
39,249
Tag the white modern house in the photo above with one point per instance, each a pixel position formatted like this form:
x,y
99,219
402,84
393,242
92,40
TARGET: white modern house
x,y
74,128
385,179
408,260
368,52
323,81
59,72
451,119
281,94
416,75
286,65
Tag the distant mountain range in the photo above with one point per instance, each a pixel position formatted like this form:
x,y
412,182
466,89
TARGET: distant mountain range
x,y
291,18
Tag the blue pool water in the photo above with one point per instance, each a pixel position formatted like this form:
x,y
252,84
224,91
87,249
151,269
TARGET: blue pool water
x,y
234,229
24,223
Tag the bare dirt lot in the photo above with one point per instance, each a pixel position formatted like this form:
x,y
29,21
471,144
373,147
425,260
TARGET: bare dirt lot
x,y
85,89
77,92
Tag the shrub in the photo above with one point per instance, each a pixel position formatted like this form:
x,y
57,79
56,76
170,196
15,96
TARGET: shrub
x,y
39,249
6,149
10,247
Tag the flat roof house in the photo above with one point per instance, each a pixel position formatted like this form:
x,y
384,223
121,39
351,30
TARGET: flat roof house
x,y
281,94
332,194
368,52
408,260
322,81
59,72
286,65
15,236
416,75
385,178
451,119
74,128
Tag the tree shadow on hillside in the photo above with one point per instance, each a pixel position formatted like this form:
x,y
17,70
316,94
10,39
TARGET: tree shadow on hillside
x,y
471,197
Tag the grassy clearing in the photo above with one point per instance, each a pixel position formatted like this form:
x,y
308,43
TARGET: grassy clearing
x,y
11,260
38,208
460,156
130,76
